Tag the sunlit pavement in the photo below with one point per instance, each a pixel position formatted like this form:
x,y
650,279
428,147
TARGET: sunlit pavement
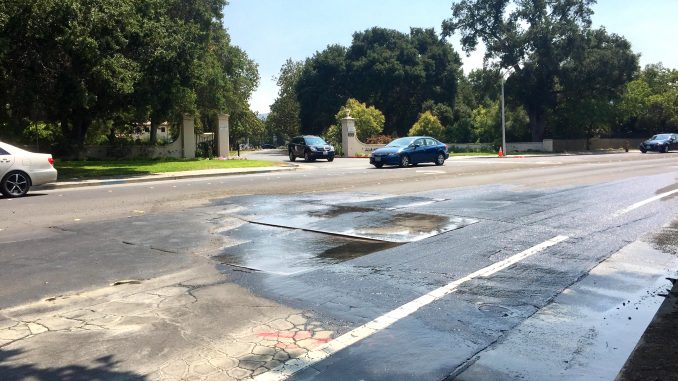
x,y
470,282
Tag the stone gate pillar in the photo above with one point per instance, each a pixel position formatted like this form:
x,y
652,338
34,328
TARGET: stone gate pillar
x,y
222,136
348,136
188,136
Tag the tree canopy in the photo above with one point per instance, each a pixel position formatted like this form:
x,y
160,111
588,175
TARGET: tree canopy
x,y
650,104
549,46
283,120
395,72
78,63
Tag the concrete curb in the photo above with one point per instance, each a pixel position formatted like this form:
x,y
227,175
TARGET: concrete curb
x,y
162,177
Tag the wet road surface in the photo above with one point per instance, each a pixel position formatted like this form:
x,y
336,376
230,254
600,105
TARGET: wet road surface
x,y
446,334
349,251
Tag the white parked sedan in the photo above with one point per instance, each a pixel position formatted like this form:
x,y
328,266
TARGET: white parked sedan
x,y
20,169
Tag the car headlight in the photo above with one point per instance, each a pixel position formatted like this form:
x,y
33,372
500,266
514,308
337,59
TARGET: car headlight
x,y
331,148
392,154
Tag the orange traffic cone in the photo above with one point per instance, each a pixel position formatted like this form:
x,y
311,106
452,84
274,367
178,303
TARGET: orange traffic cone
x,y
501,152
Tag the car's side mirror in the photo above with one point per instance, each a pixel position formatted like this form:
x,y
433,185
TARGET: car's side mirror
x,y
414,145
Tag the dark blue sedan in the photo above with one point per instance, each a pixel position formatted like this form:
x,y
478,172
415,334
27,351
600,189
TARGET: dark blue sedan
x,y
660,143
410,150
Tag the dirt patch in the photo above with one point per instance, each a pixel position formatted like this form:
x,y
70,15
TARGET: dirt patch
x,y
667,239
654,357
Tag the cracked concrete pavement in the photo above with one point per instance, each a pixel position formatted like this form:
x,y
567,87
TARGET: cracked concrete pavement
x,y
192,325
156,307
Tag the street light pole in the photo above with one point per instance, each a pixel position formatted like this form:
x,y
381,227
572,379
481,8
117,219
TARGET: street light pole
x,y
503,123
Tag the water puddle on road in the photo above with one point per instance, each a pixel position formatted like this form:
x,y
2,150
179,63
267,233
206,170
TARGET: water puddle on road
x,y
338,210
288,236
403,226
397,202
285,251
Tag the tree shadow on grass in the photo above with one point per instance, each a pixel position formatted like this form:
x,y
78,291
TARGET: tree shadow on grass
x,y
104,370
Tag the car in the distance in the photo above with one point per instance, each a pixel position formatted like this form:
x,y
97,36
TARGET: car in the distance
x,y
20,169
410,150
267,146
660,143
310,148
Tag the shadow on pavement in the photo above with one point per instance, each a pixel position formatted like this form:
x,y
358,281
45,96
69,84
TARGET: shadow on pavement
x,y
103,371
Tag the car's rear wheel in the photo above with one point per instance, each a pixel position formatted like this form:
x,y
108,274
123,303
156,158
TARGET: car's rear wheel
x,y
643,150
378,165
440,159
665,149
292,157
15,184
404,161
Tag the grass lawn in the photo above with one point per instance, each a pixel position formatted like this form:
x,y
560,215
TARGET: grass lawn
x,y
69,170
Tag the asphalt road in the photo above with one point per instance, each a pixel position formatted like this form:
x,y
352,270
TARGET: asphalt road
x,y
464,271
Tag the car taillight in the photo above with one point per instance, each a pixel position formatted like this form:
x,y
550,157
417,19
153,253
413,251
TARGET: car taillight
x,y
51,161
445,147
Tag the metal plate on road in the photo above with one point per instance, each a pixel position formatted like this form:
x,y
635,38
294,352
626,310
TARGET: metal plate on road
x,y
284,251
393,219
288,236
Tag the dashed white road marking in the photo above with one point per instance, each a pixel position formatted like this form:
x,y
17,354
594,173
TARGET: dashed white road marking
x,y
644,202
326,350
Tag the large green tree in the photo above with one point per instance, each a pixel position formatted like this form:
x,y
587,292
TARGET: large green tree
x,y
398,73
591,84
321,89
538,40
175,35
650,104
67,61
283,120
394,71
111,63
225,78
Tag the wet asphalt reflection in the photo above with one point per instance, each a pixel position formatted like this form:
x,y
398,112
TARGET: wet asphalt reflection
x,y
434,342
287,235
285,251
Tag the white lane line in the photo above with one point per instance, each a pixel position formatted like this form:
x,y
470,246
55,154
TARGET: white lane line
x,y
326,350
644,202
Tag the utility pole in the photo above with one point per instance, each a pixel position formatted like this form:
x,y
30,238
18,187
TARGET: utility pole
x,y
503,122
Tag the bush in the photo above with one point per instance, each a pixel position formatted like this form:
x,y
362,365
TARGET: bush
x,y
379,139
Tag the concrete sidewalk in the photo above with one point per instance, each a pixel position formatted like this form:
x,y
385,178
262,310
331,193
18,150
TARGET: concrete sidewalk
x,y
163,176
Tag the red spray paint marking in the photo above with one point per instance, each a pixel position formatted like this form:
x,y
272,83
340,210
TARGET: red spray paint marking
x,y
299,335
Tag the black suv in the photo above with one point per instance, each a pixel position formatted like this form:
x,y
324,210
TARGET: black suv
x,y
310,148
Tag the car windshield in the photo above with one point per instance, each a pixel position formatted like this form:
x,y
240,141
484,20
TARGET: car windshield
x,y
315,141
661,137
402,142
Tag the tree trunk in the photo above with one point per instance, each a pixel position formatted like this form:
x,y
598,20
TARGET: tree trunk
x,y
75,133
154,130
537,124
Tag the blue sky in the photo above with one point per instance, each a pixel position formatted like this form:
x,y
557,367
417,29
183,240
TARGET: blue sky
x,y
270,31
